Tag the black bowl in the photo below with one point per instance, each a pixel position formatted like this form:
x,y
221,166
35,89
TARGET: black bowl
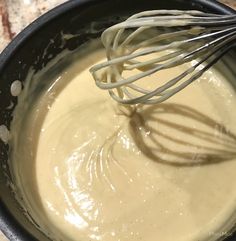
x,y
28,49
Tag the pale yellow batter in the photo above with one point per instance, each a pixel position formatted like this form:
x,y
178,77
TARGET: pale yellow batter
x,y
87,170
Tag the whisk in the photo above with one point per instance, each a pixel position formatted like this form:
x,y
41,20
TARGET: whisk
x,y
180,37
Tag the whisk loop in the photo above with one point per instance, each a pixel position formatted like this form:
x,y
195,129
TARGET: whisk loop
x,y
178,37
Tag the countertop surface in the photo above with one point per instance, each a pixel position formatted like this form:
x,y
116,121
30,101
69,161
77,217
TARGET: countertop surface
x,y
15,15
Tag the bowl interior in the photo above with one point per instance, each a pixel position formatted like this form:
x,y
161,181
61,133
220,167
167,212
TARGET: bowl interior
x,y
41,42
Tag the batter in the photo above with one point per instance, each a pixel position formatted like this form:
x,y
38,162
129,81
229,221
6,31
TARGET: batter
x,y
88,169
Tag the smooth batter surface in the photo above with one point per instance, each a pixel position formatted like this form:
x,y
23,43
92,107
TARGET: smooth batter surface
x,y
89,171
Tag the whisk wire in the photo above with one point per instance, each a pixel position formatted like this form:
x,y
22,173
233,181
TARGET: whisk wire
x,y
179,36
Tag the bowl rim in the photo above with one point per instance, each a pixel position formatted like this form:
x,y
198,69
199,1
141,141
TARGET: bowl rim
x,y
10,227
39,22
